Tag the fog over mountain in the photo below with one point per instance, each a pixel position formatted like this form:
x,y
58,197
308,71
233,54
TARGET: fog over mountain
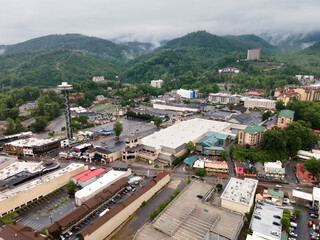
x,y
152,21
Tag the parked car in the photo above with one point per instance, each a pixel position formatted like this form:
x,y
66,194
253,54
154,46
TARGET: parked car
x,y
276,223
274,233
313,215
200,196
278,186
277,216
310,222
299,188
292,234
133,190
293,218
257,217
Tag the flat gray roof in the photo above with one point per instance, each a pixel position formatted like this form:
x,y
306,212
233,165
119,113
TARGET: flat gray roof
x,y
265,225
188,217
240,191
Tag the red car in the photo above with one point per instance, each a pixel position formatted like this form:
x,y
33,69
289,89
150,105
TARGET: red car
x,y
293,219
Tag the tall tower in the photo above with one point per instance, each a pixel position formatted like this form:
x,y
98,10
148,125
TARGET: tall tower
x,y
65,87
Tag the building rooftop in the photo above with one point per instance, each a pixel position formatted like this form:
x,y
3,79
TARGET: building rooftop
x,y
265,225
107,178
188,215
31,142
17,167
254,129
286,113
40,180
5,158
190,160
240,191
183,132
217,164
88,174
17,231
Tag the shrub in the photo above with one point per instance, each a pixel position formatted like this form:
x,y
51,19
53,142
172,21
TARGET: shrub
x,y
201,172
154,214
297,212
143,204
219,187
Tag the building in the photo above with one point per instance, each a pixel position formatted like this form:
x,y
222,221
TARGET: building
x,y
254,118
156,83
216,167
238,168
301,93
239,194
250,136
167,144
249,170
6,160
89,207
229,70
253,54
89,176
99,185
262,226
17,231
305,79
33,146
285,117
261,174
305,155
189,94
100,98
305,177
98,79
274,170
259,103
106,224
177,107
212,144
188,217
17,197
223,98
103,155
133,146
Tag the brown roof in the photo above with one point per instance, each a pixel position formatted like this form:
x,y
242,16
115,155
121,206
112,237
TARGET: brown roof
x,y
86,207
120,206
17,231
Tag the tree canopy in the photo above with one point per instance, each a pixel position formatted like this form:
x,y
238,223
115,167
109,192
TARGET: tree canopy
x,y
117,128
157,121
312,165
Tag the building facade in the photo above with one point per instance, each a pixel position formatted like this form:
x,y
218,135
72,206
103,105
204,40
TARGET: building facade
x,y
274,170
301,93
223,98
285,117
259,103
156,83
250,136
189,94
253,54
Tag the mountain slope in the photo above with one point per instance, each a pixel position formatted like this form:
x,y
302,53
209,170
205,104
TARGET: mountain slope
x,y
49,68
204,45
92,45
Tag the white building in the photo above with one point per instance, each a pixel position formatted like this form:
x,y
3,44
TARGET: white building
x,y
274,169
259,103
239,194
253,54
172,107
98,78
307,155
96,187
156,83
229,70
223,98
190,94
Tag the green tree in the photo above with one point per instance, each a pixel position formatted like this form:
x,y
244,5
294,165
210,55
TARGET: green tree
x,y
157,121
201,172
297,212
40,124
219,187
280,105
224,155
83,119
9,126
285,221
190,146
231,106
18,125
312,165
71,187
41,106
266,115
117,128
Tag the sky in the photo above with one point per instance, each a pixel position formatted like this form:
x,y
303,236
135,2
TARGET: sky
x,y
154,20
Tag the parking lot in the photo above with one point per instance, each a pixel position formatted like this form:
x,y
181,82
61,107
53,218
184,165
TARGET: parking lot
x,y
40,214
108,205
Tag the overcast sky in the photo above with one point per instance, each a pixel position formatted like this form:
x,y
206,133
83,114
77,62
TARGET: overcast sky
x,y
153,20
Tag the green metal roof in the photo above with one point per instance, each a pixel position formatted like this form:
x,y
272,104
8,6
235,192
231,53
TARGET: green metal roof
x,y
215,148
275,193
190,160
254,129
286,113
212,137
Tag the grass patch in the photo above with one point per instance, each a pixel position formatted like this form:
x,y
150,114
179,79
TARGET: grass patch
x,y
66,200
43,232
7,219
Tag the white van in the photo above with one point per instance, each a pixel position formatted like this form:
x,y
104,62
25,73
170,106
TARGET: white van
x,y
104,212
293,224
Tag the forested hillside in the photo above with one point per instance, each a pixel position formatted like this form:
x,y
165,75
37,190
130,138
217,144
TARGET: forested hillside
x,y
49,68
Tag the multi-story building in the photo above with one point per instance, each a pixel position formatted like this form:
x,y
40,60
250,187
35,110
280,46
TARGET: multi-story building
x,y
133,146
98,79
190,94
229,70
285,117
253,54
156,83
212,144
259,103
239,194
250,136
301,93
274,170
223,98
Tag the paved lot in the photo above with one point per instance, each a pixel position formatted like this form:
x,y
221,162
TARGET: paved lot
x,y
28,216
303,230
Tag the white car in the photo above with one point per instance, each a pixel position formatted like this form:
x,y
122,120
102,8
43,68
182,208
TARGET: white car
x,y
293,234
278,186
274,233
